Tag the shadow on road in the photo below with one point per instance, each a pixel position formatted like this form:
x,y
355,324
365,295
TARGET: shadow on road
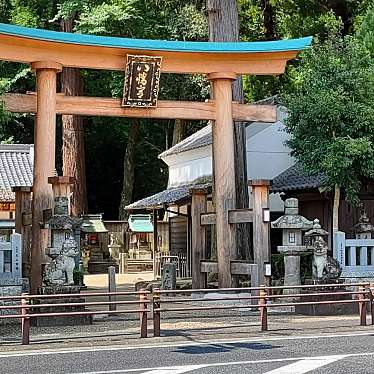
x,y
222,348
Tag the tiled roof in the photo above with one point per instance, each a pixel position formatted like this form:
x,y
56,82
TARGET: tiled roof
x,y
199,139
170,196
294,178
16,168
6,196
140,223
203,137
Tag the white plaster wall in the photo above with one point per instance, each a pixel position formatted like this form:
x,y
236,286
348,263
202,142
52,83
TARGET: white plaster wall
x,y
188,166
267,156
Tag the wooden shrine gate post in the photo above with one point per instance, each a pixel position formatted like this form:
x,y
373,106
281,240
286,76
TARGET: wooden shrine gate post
x,y
44,161
48,52
224,174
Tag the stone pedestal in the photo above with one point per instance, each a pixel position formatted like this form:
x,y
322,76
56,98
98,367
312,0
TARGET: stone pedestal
x,y
291,267
61,320
326,309
12,287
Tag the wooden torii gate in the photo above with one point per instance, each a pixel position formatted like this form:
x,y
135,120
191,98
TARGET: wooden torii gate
x,y
48,52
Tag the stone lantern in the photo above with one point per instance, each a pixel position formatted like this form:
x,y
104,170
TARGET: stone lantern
x,y
62,227
292,246
363,229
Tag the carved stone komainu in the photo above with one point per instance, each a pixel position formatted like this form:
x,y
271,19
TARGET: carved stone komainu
x,y
60,270
324,267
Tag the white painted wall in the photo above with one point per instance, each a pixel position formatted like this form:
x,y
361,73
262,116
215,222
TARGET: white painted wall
x,y
187,166
267,157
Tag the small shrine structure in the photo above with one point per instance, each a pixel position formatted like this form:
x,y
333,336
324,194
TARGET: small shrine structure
x,y
140,228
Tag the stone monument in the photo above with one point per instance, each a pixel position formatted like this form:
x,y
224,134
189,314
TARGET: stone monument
x,y
169,276
12,283
292,246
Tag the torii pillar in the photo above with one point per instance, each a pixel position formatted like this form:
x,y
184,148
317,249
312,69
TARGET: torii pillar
x,y
224,174
44,161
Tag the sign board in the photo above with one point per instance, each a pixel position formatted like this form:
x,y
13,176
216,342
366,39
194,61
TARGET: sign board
x,y
142,81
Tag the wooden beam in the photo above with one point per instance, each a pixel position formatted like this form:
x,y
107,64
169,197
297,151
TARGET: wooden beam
x,y
26,50
109,107
240,216
207,219
209,266
242,267
237,267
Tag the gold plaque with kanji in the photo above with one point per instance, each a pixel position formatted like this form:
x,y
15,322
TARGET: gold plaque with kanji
x,y
142,81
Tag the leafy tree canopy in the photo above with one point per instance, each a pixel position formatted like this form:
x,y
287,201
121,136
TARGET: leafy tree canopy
x,y
331,113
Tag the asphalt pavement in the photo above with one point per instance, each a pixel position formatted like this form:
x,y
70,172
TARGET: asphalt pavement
x,y
326,353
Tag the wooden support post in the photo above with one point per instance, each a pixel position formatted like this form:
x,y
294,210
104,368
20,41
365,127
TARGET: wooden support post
x,y
362,305
23,208
112,286
44,160
143,313
61,186
25,324
155,243
156,298
224,174
263,310
261,229
122,262
198,206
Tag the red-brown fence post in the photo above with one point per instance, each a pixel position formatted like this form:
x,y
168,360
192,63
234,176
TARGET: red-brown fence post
x,y
25,320
263,309
156,312
143,313
362,305
371,297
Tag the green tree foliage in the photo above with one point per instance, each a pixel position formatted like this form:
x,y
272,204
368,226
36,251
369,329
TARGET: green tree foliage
x,y
366,30
106,138
331,114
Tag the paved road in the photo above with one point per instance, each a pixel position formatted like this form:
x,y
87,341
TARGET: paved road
x,y
344,353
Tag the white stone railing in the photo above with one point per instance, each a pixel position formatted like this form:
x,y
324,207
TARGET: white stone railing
x,y
356,256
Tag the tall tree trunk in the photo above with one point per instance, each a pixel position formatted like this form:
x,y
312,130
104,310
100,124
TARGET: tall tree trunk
x,y
128,171
224,26
269,19
73,153
179,131
335,210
